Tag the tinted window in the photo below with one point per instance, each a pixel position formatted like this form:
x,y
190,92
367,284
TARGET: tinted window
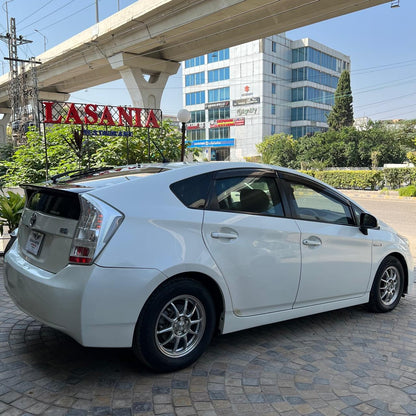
x,y
58,204
193,192
315,205
251,194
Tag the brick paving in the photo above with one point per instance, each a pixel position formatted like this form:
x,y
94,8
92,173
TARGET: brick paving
x,y
347,362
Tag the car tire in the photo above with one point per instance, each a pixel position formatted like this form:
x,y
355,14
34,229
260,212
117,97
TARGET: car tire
x,y
387,286
175,326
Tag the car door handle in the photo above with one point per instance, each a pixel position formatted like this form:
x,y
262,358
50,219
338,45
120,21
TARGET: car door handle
x,y
228,236
312,242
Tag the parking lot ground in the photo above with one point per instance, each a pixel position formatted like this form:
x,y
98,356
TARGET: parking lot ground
x,y
347,362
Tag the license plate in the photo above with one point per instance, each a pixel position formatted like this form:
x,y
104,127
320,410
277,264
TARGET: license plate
x,y
34,242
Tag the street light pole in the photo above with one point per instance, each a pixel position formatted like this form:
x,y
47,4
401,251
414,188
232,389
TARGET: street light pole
x,y
44,39
183,116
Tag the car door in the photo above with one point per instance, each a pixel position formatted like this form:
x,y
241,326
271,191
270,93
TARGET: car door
x,y
256,248
336,255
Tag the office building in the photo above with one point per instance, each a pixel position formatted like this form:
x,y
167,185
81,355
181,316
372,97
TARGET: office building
x,y
241,94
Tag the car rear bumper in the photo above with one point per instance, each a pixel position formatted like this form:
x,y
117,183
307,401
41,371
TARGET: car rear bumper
x,y
96,306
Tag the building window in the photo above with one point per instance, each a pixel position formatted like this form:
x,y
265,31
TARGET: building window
x,y
219,74
219,94
317,57
301,131
274,68
309,114
219,133
197,97
219,113
313,94
195,79
197,116
273,129
199,60
313,75
198,134
273,88
274,47
273,111
216,56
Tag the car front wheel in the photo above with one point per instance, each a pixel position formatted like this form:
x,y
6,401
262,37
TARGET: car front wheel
x,y
388,286
175,325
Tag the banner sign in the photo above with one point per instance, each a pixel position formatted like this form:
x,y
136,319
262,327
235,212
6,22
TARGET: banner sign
x,y
213,143
195,126
246,101
228,122
217,104
99,115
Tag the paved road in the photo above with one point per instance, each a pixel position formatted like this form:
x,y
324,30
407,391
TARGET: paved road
x,y
399,213
348,362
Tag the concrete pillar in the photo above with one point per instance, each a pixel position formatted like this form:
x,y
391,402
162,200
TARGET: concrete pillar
x,y
6,114
146,93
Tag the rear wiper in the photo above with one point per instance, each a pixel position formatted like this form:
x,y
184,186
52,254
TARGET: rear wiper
x,y
79,173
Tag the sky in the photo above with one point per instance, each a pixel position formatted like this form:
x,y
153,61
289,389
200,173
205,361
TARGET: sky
x,y
381,42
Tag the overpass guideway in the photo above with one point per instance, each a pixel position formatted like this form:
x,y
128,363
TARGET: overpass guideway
x,y
144,43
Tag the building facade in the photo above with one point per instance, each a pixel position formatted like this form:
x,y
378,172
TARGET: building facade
x,y
239,95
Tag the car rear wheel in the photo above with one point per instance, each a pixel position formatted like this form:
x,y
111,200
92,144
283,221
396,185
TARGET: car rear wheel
x,y
175,326
388,286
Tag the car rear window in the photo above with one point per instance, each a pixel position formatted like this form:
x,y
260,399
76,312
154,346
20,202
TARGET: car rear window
x,y
193,192
58,204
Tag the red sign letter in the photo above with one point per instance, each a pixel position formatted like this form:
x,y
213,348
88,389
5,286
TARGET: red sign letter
x,y
125,113
49,114
72,114
151,119
106,117
90,110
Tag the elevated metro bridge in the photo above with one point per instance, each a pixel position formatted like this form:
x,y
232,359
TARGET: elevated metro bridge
x,y
144,43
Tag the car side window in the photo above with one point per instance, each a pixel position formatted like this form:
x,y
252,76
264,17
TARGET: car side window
x,y
316,205
193,192
249,194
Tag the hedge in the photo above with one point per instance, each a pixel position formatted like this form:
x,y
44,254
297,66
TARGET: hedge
x,y
392,178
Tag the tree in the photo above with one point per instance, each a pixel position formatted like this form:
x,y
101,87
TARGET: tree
x,y
342,113
280,149
67,153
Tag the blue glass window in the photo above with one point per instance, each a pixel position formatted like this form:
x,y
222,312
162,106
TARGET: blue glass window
x,y
317,57
197,97
313,75
198,116
194,79
219,133
199,60
309,114
219,74
301,131
219,113
312,94
273,88
216,56
273,109
195,134
219,94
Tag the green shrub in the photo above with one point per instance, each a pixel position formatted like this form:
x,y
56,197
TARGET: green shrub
x,y
11,207
408,191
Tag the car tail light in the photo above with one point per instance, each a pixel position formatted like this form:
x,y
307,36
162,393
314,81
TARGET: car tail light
x,y
97,224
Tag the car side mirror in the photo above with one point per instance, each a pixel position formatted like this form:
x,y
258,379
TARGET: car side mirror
x,y
367,221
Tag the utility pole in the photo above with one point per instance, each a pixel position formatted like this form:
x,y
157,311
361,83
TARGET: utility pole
x,y
18,92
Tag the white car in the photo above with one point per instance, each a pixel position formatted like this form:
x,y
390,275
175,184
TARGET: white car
x,y
160,258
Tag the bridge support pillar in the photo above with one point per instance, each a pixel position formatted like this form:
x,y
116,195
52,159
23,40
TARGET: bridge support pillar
x,y
145,78
6,113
